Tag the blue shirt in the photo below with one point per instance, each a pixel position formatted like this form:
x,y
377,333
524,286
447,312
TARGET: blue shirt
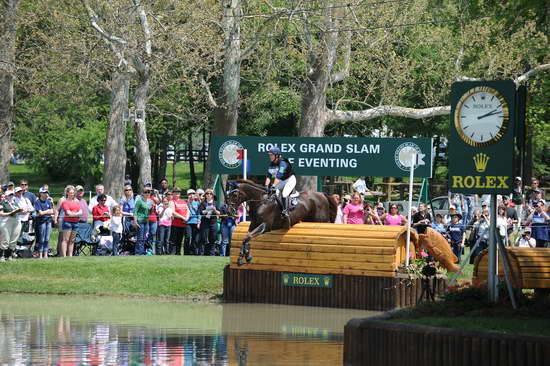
x,y
128,205
456,231
539,227
40,205
194,212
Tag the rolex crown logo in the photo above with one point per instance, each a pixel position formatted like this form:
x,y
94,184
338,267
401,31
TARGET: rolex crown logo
x,y
480,161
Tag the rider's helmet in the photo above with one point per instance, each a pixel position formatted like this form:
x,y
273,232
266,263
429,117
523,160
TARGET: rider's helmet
x,y
275,150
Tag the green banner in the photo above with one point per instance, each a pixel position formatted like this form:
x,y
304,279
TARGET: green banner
x,y
326,156
481,141
306,280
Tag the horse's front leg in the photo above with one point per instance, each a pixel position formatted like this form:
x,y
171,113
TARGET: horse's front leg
x,y
245,247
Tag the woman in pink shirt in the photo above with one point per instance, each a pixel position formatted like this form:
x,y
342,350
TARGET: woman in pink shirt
x,y
73,211
393,218
354,212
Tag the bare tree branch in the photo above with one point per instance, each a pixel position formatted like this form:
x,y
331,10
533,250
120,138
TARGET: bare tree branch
x,y
387,110
520,79
211,100
144,26
339,76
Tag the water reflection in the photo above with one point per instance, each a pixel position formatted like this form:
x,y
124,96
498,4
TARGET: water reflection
x,y
57,330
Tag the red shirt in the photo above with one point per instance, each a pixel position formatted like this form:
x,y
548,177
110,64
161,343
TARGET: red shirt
x,y
98,212
70,206
182,209
153,212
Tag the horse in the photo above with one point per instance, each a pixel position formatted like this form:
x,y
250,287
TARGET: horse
x,y
265,210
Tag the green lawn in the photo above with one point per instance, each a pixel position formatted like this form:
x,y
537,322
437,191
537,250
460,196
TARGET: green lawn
x,y
165,276
22,171
517,325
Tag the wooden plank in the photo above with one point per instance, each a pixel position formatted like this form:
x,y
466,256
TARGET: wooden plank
x,y
536,283
526,270
299,269
330,226
320,248
333,233
336,257
322,264
297,239
531,275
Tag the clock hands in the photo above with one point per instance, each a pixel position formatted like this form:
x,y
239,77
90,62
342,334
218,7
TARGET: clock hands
x,y
494,111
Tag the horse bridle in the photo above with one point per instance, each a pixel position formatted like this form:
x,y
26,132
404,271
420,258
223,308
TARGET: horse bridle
x,y
233,200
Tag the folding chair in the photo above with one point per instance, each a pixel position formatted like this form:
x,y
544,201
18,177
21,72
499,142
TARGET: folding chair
x,y
85,242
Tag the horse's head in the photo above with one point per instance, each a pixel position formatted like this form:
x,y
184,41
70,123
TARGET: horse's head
x,y
243,191
235,196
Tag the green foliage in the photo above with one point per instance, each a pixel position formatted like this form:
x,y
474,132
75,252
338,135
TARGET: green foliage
x,y
61,140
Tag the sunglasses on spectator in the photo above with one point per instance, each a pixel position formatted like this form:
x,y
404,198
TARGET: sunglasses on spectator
x,y
127,190
24,184
102,200
147,192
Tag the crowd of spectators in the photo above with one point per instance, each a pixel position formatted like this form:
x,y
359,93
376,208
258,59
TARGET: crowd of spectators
x,y
156,221
523,217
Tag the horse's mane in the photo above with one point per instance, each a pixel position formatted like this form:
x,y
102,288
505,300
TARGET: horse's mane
x,y
251,183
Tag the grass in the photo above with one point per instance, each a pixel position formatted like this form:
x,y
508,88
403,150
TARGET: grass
x,y
158,276
22,171
538,327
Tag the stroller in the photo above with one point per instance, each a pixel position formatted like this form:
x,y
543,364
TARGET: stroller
x,y
128,240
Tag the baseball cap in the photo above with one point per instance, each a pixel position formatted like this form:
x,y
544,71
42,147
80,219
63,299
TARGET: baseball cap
x,y
9,193
10,184
200,191
452,207
190,191
518,178
527,230
347,197
79,188
43,190
18,189
483,203
147,184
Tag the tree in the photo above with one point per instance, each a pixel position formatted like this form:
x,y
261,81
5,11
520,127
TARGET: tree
x,y
8,32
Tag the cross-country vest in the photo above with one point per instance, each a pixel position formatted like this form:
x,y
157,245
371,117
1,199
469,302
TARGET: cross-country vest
x,y
274,168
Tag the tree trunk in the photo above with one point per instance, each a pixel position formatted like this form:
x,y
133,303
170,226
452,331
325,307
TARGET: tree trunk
x,y
192,173
115,149
163,158
142,143
8,30
227,112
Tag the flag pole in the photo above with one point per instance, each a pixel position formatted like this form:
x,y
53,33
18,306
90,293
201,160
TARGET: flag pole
x,y
245,173
413,161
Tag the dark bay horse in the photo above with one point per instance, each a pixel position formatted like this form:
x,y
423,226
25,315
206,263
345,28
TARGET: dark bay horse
x,y
265,211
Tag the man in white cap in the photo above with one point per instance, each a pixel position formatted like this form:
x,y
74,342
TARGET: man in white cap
x,y
10,227
200,195
525,240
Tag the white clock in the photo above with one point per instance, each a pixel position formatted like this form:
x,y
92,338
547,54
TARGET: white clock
x,y
481,116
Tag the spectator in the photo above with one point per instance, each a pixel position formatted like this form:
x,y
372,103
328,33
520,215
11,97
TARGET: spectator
x,y
10,226
422,217
192,232
456,234
339,214
179,222
517,196
380,210
165,212
536,198
535,186
44,213
393,218
200,195
83,204
153,220
502,223
128,204
58,218
525,240
447,218
101,212
72,213
100,189
24,184
371,218
354,211
209,212
141,213
116,227
438,224
539,221
511,214
227,226
26,209
163,188
456,200
482,228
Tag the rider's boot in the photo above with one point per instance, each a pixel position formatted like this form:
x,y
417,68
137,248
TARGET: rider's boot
x,y
285,202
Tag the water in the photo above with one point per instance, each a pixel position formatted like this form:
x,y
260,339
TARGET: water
x,y
66,330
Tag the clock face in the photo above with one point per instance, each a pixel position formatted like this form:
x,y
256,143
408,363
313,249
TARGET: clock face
x,y
481,116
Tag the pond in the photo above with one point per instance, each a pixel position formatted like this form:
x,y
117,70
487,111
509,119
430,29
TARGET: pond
x,y
69,330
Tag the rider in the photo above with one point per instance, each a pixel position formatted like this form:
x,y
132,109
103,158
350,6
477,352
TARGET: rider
x,y
280,176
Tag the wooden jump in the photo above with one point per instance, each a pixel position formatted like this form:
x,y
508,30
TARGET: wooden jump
x,y
361,261
362,250
530,267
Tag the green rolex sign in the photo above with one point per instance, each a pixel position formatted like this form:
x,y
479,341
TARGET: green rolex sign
x,y
306,280
481,143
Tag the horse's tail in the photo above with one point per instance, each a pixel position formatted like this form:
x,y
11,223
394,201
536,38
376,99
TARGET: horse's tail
x,y
332,207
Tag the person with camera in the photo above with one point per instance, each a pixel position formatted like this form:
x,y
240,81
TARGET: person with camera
x,y
422,217
455,230
371,218
525,240
209,212
539,221
10,226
